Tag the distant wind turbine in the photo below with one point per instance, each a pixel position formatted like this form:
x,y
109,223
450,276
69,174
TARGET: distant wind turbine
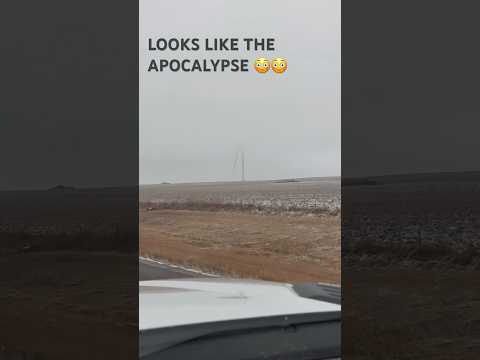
x,y
242,159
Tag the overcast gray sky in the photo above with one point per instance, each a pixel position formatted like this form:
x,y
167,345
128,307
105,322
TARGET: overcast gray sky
x,y
192,125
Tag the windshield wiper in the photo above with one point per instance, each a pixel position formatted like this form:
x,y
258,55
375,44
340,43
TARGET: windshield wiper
x,y
318,291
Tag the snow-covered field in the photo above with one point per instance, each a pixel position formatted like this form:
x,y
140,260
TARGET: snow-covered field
x,y
305,195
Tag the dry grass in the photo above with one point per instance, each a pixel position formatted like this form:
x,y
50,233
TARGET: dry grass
x,y
270,247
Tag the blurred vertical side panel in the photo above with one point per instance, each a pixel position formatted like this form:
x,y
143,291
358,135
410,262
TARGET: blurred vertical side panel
x,y
69,179
410,180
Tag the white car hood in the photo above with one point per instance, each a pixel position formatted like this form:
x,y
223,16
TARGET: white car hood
x,y
171,303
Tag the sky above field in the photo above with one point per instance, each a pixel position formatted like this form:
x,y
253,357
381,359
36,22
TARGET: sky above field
x,y
193,125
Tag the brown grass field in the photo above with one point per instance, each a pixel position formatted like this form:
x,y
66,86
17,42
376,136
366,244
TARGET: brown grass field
x,y
241,244
282,230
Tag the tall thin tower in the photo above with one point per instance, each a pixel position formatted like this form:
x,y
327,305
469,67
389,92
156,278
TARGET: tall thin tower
x,y
243,165
242,159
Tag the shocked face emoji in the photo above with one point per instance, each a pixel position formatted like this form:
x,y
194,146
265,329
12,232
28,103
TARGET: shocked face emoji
x,y
262,65
279,65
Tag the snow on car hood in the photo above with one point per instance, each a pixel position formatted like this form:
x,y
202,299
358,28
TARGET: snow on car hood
x,y
170,303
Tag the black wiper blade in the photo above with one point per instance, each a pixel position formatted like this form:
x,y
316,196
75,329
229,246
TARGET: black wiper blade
x,y
318,291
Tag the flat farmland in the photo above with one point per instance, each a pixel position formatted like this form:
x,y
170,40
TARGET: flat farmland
x,y
307,195
283,236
